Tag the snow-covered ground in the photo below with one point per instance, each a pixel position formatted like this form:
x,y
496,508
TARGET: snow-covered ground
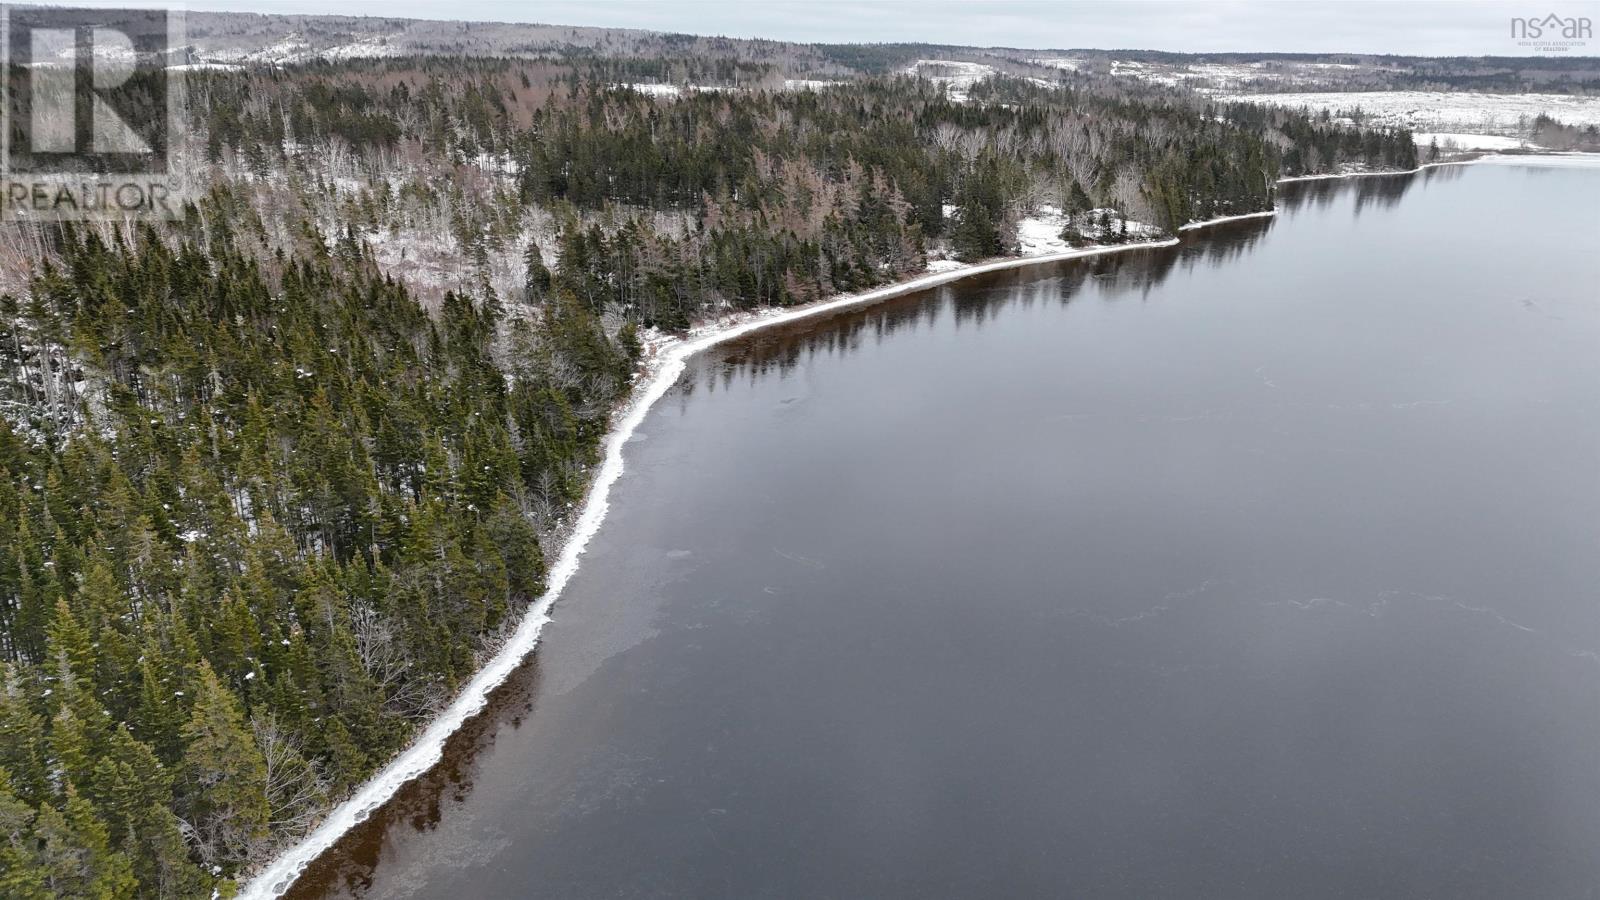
x,y
292,48
295,48
672,91
1215,75
1450,141
808,84
1065,63
368,48
1443,112
1260,214
1040,233
654,88
957,75
1545,160
1466,120
497,164
1207,76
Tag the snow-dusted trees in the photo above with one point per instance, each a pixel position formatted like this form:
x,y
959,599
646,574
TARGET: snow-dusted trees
x,y
239,579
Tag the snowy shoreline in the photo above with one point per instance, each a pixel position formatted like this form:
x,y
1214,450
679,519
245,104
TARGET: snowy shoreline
x,y
661,371
1326,176
1567,158
1220,219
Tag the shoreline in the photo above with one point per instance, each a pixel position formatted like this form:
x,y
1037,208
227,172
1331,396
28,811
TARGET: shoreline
x,y
1221,219
661,372
1493,157
666,361
1448,162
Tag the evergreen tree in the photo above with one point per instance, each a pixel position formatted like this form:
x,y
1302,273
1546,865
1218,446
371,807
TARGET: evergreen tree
x,y
76,855
536,283
223,778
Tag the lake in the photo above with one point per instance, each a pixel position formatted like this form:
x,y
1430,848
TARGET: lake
x,y
1267,565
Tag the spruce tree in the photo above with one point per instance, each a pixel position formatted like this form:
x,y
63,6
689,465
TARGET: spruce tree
x,y
223,778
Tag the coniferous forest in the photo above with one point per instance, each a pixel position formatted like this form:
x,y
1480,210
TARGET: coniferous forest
x,y
282,473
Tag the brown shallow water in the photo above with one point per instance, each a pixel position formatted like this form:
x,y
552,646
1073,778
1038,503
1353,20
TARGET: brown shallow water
x,y
1262,566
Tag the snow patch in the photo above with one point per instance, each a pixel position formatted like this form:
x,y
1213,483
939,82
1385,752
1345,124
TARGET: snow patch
x,y
957,76
292,48
367,48
1461,112
1454,141
1040,233
1212,74
1220,219
654,89
1065,63
808,84
496,164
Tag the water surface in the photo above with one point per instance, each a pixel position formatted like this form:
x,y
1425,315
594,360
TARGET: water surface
x,y
1264,566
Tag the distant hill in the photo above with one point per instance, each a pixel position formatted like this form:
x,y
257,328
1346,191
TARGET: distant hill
x,y
284,39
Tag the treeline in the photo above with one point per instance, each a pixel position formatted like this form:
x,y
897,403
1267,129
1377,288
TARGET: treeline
x,y
1315,145
775,196
299,509
1548,132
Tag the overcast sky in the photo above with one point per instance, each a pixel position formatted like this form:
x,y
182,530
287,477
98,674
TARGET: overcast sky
x,y
1418,27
